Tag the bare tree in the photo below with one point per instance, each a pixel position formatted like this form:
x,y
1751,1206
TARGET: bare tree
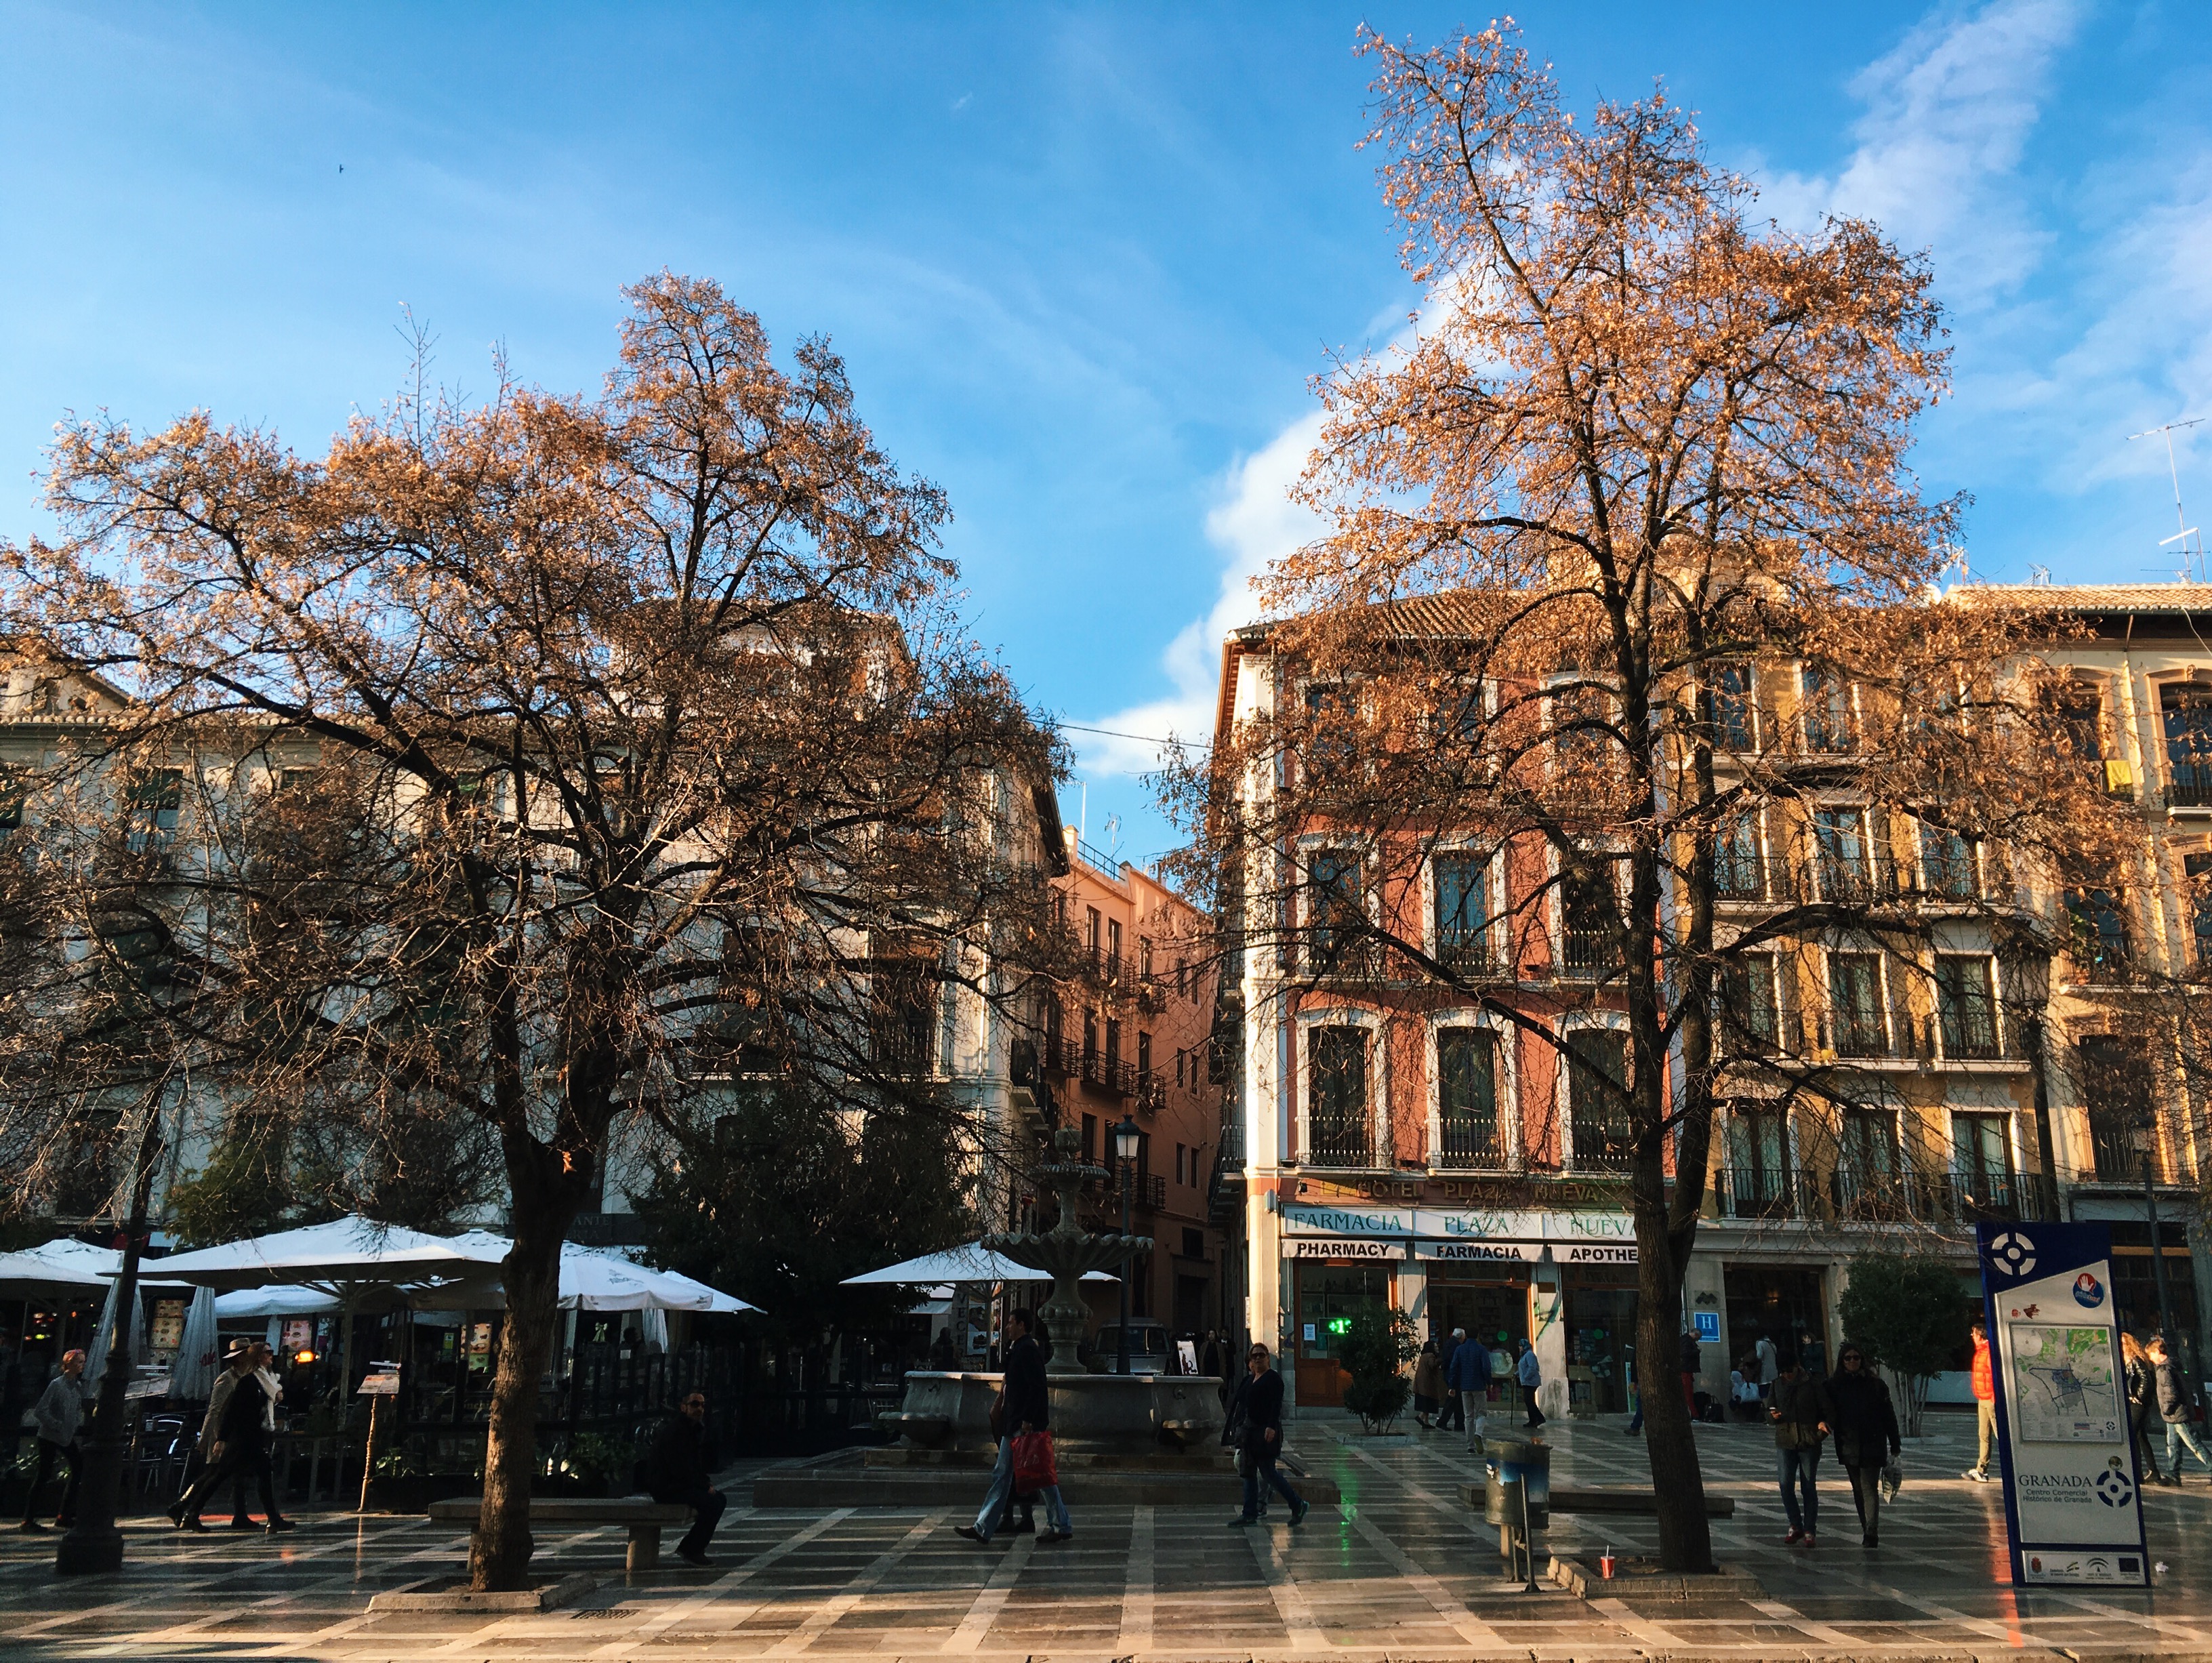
x,y
547,764
1620,700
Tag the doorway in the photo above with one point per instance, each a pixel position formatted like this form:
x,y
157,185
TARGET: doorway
x,y
1781,1303
1330,1298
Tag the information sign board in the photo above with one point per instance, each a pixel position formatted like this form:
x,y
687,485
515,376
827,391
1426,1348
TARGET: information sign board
x,y
2073,1493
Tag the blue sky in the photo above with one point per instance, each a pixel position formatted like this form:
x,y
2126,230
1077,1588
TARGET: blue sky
x,y
1082,261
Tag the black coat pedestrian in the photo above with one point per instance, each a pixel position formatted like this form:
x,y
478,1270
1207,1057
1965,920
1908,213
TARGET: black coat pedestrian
x,y
1027,1399
682,1454
243,1414
1862,1417
2172,1398
1260,1401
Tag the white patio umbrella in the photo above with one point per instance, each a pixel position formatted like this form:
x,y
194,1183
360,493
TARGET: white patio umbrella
x,y
970,1262
134,1340
192,1374
285,1298
34,1274
592,1279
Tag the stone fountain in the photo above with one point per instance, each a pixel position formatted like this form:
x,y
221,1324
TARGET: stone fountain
x,y
1066,1253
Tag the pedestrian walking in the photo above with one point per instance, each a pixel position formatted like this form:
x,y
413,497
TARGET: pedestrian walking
x,y
58,1415
1801,1416
675,1471
1985,1405
1864,1421
1468,1375
1212,1362
1259,1405
241,1442
1027,1409
1428,1384
1454,1418
1530,1373
2174,1408
1769,1363
2142,1404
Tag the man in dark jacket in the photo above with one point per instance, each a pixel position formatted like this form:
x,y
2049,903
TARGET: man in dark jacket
x,y
1864,1422
2174,1408
1260,1403
1026,1406
1799,1410
240,1448
675,1472
1689,1363
59,1413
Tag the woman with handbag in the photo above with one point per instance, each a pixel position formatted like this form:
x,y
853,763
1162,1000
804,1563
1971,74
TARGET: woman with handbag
x,y
1800,1412
1260,1406
1025,1461
1865,1423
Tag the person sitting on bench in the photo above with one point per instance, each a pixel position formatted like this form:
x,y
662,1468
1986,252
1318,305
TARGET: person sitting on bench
x,y
675,1471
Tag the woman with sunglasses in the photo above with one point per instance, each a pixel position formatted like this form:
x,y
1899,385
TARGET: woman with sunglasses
x,y
1865,1424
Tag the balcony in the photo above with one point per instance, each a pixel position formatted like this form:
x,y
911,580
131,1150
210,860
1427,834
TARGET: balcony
x,y
1349,1148
1072,1061
1586,955
1151,1090
1765,1192
1859,881
1467,1143
1740,880
1339,955
2190,787
1956,1200
1469,954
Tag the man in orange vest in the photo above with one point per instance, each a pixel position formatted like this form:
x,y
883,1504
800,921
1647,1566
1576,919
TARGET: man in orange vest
x,y
1985,1405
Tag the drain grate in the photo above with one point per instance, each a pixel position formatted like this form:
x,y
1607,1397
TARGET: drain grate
x,y
602,1615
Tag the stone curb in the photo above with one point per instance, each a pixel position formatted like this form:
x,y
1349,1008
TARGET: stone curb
x,y
570,1589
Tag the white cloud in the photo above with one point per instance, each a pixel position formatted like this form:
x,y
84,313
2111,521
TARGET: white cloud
x,y
1948,112
1254,525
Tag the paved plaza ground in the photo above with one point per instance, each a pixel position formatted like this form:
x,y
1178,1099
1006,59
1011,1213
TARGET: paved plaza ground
x,y
1400,1569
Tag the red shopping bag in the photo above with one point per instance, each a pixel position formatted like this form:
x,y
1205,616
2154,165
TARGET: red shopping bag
x,y
1033,1463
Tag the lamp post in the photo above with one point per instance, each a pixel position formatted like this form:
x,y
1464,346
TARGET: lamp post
x,y
1125,1139
2147,1141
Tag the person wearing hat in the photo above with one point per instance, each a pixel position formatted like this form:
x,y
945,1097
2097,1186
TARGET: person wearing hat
x,y
234,1439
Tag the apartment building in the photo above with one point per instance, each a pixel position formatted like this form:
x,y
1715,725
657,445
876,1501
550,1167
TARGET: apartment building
x,y
1126,1043
1404,1144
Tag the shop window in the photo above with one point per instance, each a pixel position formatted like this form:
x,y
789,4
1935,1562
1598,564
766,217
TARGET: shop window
x,y
1466,1098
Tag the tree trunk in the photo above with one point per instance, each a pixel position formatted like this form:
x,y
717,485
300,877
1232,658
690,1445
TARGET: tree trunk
x,y
500,1548
1685,1539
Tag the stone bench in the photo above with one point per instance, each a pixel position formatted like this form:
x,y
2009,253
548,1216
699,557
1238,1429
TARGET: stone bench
x,y
644,1517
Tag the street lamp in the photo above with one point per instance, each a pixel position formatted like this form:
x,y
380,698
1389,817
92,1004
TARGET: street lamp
x,y
1127,1137
2145,1138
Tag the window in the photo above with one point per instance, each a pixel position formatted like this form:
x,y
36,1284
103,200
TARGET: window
x,y
1730,717
1337,1128
2097,925
1758,1179
1144,1053
1751,1016
1869,1175
2187,709
1966,1005
1587,916
1091,930
2196,884
1467,1098
1145,957
1461,709
12,793
2079,710
1179,1063
902,1015
1090,1042
1090,1140
1949,866
1981,1147
1179,1164
156,804
1194,1241
1848,869
1114,947
1332,726
1462,902
1855,1024
1597,1102
2115,1089
1333,910
1739,868
1825,710
1113,1043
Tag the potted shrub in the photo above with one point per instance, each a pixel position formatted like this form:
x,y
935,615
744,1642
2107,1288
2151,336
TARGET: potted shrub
x,y
1375,1353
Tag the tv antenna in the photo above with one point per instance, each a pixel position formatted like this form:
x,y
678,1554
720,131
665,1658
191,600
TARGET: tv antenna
x,y
2181,519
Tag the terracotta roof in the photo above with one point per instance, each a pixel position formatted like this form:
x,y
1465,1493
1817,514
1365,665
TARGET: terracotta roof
x,y
2175,598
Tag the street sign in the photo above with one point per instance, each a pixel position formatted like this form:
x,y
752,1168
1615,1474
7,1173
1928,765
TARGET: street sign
x,y
2073,1494
1709,1326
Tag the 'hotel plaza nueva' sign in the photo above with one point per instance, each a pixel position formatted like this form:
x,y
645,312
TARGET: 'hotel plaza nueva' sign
x,y
1463,1234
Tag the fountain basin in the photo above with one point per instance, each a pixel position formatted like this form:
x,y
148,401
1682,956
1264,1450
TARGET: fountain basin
x,y
1094,1417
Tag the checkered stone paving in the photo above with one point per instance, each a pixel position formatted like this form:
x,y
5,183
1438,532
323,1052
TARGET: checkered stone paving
x,y
1400,1571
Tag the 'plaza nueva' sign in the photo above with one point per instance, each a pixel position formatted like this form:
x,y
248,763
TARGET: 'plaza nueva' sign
x,y
1468,1224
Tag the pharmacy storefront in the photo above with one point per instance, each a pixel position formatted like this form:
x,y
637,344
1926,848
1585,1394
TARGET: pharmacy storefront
x,y
1564,1279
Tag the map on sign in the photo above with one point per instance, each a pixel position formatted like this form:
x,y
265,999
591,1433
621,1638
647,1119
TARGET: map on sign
x,y
2063,1391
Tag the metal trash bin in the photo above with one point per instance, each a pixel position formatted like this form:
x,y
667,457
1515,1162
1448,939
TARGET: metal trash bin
x,y
1514,1459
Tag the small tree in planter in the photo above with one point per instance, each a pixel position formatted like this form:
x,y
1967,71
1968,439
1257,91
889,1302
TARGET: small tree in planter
x,y
1376,1352
1908,1310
